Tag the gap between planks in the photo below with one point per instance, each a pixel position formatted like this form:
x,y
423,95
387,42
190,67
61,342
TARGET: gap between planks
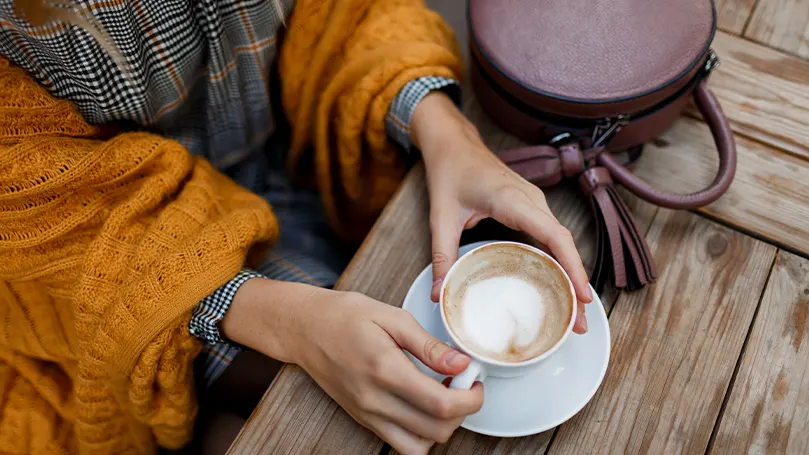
x,y
764,94
749,17
781,24
768,409
729,390
674,355
733,15
758,236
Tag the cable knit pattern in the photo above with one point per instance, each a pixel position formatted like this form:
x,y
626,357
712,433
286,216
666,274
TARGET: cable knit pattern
x,y
105,248
341,65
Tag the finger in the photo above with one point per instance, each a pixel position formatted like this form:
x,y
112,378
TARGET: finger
x,y
535,219
400,439
580,326
431,351
432,397
446,228
416,421
398,374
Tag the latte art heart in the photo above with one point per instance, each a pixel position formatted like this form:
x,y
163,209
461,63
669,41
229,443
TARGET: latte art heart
x,y
501,314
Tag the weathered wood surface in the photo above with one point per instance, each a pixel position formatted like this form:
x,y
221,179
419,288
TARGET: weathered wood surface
x,y
734,14
781,24
764,93
675,344
768,408
769,196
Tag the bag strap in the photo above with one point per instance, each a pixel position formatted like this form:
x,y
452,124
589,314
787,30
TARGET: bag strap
x,y
546,165
619,241
725,146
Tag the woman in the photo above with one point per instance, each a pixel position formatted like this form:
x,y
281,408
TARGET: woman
x,y
124,255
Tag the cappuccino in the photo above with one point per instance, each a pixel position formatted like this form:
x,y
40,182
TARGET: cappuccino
x,y
508,303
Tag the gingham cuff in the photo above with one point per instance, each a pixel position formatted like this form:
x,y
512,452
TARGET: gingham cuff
x,y
205,319
400,112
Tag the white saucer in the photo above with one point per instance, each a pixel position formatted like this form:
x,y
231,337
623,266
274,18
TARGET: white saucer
x,y
541,400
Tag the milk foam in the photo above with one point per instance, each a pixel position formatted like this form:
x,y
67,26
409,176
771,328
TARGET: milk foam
x,y
501,313
506,303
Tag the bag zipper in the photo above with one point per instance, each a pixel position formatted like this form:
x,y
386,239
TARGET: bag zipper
x,y
605,128
609,127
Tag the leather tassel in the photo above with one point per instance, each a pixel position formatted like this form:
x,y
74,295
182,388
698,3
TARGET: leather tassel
x,y
619,243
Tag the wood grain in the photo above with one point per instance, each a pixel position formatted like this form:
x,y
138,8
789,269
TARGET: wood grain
x,y
769,196
763,92
675,343
733,14
768,408
782,24
295,415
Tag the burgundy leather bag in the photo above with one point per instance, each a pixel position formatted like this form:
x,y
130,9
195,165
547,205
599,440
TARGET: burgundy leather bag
x,y
583,79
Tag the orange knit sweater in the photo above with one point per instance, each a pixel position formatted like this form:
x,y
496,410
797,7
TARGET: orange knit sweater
x,y
107,244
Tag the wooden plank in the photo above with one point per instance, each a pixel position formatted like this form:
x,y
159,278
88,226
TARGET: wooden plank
x,y
782,24
675,344
769,196
296,416
763,92
768,407
733,14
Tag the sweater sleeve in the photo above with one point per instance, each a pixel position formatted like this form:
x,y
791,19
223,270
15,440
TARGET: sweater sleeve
x,y
341,65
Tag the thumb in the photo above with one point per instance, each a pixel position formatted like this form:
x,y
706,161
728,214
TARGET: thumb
x,y
431,351
446,227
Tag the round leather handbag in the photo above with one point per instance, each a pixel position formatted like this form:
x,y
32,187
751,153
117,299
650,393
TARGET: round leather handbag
x,y
583,79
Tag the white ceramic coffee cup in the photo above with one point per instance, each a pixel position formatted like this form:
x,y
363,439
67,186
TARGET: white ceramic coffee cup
x,y
481,366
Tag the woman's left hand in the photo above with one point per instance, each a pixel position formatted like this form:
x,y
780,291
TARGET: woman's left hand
x,y
468,183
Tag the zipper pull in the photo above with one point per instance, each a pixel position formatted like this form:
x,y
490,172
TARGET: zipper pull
x,y
711,63
607,129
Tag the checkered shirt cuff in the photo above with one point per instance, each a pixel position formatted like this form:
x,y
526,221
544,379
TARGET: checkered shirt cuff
x,y
400,112
205,319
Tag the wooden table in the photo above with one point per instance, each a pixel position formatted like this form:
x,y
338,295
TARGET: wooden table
x,y
712,358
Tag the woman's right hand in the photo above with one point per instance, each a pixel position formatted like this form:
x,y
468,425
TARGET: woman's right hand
x,y
352,346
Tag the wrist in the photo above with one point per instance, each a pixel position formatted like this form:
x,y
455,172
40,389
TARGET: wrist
x,y
270,316
436,124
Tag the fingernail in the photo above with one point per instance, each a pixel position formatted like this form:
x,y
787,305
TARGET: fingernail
x,y
588,292
584,322
436,288
455,359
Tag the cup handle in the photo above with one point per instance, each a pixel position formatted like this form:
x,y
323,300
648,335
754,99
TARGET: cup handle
x,y
473,372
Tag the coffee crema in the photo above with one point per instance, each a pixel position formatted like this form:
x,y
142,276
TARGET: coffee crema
x,y
508,303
